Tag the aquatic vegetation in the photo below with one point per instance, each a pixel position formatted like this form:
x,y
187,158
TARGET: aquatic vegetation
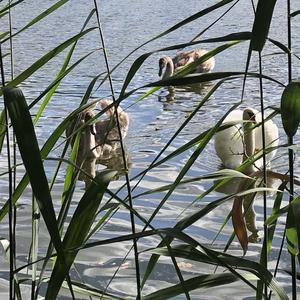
x,y
69,220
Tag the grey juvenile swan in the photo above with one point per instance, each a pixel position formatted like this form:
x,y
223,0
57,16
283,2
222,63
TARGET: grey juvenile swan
x,y
100,139
182,59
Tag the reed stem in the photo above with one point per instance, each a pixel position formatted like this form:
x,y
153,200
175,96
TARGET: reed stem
x,y
138,282
10,192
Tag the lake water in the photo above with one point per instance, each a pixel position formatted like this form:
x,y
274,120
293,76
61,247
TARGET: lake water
x,y
126,25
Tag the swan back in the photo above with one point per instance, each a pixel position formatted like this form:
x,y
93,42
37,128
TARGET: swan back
x,y
107,132
230,144
185,58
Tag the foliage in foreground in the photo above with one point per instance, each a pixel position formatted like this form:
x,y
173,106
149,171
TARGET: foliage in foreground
x,y
68,237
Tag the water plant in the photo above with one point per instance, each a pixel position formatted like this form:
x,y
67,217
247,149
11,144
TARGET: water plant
x,y
75,221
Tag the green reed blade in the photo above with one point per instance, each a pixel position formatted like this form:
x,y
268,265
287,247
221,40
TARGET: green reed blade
x,y
197,282
41,16
262,22
30,153
83,218
44,59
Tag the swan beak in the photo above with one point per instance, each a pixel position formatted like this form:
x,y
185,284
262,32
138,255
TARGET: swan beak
x,y
160,71
92,129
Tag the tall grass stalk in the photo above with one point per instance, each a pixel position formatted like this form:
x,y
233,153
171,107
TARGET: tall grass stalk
x,y
137,268
264,181
290,142
10,192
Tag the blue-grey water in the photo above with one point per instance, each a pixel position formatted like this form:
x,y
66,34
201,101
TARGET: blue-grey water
x,y
126,25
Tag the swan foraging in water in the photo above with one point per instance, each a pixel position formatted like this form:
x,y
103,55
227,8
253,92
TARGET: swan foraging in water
x,y
182,59
100,139
87,145
107,133
238,142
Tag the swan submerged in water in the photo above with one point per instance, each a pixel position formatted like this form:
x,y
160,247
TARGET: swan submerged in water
x,y
182,59
235,144
100,139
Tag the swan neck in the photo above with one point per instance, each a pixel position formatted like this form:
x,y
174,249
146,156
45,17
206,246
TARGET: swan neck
x,y
249,143
169,68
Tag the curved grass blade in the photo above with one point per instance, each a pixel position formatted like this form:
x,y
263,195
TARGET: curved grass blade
x,y
280,46
62,73
213,257
89,291
198,282
194,78
262,22
41,16
43,60
2,128
293,227
295,13
44,153
8,7
83,218
236,37
30,153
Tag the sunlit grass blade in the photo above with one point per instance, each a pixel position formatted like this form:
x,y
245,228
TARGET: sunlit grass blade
x,y
215,258
276,207
44,59
83,218
7,7
41,16
48,146
198,282
30,153
62,73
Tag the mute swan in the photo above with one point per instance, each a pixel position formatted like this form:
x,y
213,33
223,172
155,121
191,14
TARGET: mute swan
x,y
100,139
182,59
236,143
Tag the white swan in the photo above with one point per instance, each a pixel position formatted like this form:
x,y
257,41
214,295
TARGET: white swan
x,y
100,139
236,143
182,59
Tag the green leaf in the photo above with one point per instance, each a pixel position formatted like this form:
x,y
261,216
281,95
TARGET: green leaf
x,y
41,16
2,128
262,22
295,13
44,153
290,108
43,60
293,227
83,218
30,153
205,255
202,281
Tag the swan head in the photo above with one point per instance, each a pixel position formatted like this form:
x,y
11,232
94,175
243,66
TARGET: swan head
x,y
89,115
165,63
249,115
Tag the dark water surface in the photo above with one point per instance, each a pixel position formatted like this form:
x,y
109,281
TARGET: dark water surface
x,y
126,25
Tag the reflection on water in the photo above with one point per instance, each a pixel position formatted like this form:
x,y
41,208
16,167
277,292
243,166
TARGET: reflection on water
x,y
114,161
176,93
152,122
237,185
